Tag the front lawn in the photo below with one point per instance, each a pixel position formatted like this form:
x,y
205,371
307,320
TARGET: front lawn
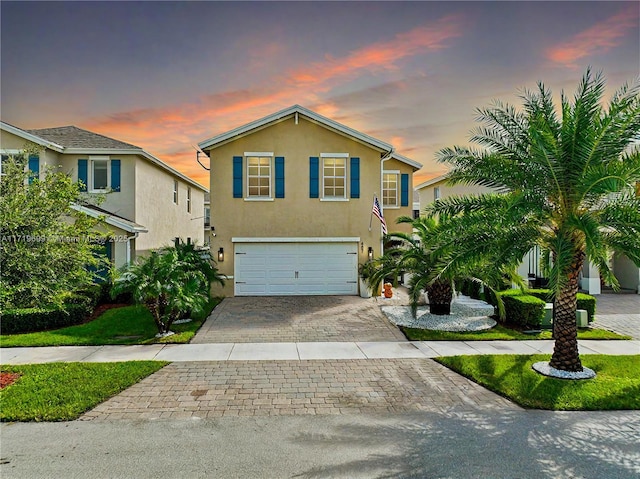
x,y
499,332
64,391
127,325
616,386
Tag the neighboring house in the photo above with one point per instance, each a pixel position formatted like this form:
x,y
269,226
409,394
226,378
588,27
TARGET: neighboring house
x,y
292,197
627,273
147,203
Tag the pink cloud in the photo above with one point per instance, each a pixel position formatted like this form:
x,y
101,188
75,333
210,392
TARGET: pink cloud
x,y
169,132
598,39
382,55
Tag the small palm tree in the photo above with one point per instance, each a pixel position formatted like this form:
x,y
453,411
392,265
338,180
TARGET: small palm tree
x,y
197,259
168,283
566,181
433,259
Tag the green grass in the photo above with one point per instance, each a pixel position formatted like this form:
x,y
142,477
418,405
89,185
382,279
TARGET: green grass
x,y
499,332
64,391
616,385
127,325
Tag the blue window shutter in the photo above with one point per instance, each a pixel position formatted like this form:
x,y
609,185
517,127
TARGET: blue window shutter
x,y
314,177
355,177
115,175
237,177
34,168
404,190
83,174
279,176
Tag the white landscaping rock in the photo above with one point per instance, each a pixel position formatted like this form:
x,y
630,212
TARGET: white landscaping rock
x,y
545,369
401,316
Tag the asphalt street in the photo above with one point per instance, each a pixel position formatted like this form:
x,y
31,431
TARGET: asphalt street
x,y
456,444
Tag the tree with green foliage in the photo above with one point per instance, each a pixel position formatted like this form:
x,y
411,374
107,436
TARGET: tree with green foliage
x,y
47,248
428,256
565,179
168,282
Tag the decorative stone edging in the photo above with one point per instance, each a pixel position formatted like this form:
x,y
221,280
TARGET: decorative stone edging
x,y
544,368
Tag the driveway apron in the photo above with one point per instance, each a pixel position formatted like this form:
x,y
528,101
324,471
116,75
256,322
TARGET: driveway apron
x,y
297,319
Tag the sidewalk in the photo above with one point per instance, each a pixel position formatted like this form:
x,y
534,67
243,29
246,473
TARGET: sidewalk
x,y
299,351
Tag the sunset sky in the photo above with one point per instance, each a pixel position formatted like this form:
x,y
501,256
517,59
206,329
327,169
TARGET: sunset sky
x,y
167,75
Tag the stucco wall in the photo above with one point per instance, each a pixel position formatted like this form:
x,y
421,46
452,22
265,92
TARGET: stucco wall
x,y
295,215
627,273
427,194
121,202
156,210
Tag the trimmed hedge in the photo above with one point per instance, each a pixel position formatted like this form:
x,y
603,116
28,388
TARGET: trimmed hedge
x,y
585,301
28,320
522,309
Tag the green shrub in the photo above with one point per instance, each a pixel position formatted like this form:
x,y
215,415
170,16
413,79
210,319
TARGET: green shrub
x,y
585,301
522,309
26,320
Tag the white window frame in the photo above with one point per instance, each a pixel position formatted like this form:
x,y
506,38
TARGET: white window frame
x,y
335,156
175,192
14,152
188,199
90,173
259,154
395,205
436,193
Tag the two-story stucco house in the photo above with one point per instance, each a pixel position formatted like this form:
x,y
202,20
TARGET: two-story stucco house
x,y
291,203
627,273
147,203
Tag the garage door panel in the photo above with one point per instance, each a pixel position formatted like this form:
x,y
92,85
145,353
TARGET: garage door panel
x,y
296,269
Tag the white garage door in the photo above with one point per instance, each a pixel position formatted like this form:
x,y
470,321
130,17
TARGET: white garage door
x,y
282,269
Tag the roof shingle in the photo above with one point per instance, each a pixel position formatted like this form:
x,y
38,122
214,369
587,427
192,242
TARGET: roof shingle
x,y
74,137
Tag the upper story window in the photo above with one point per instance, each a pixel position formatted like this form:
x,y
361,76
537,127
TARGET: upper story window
x,y
436,193
175,191
99,175
32,165
207,216
189,199
334,176
259,175
390,189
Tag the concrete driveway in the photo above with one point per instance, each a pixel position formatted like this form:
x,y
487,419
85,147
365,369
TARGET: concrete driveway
x,y
297,319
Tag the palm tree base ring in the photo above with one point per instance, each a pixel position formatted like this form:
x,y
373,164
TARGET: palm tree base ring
x,y
545,369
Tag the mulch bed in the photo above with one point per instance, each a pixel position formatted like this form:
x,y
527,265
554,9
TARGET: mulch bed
x,y
7,379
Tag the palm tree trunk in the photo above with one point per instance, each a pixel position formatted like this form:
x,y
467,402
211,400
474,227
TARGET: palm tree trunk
x,y
565,331
440,294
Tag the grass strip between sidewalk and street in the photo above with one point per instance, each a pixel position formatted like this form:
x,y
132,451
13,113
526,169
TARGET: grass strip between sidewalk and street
x,y
615,387
127,325
499,332
64,391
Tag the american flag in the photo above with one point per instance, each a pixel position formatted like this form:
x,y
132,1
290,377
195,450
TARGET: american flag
x,y
376,211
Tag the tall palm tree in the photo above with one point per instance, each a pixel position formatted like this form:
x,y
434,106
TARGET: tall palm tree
x,y
565,180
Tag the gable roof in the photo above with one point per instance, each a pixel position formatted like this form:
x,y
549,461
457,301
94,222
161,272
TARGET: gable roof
x,y
74,137
295,110
431,182
74,140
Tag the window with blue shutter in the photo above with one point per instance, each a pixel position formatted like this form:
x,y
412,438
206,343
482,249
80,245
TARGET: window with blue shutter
x,y
355,177
314,177
404,190
237,177
34,168
115,175
83,176
279,176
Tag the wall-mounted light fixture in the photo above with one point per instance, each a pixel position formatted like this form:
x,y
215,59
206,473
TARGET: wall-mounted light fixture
x,y
221,254
370,253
